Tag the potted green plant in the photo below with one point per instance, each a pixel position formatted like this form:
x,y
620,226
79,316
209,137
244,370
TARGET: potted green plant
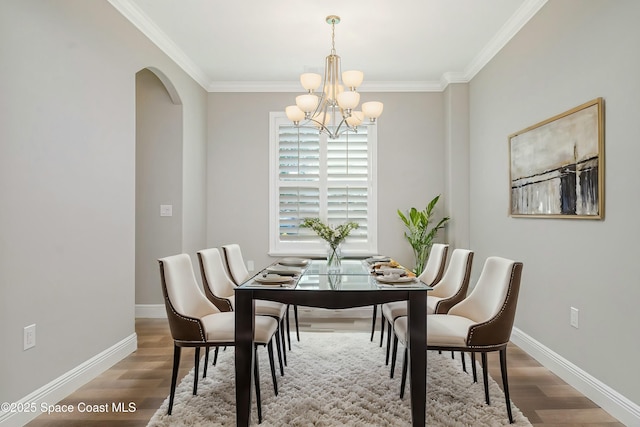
x,y
420,232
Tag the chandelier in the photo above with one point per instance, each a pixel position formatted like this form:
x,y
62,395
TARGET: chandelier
x,y
332,110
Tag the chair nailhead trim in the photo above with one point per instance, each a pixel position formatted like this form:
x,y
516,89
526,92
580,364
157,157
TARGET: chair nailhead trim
x,y
494,318
189,319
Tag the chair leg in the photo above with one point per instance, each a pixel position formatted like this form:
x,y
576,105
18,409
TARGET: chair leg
x,y
389,333
284,341
196,370
256,378
272,365
288,328
295,315
174,376
464,362
206,362
405,364
373,320
473,367
393,358
505,382
279,348
485,377
453,355
215,356
381,328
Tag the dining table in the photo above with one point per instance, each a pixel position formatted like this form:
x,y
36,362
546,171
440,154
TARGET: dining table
x,y
309,283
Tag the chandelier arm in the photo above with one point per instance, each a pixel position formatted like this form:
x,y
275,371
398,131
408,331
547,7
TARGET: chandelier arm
x,y
337,131
318,125
322,128
321,107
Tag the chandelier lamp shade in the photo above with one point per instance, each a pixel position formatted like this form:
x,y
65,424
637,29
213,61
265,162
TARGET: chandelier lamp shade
x,y
333,108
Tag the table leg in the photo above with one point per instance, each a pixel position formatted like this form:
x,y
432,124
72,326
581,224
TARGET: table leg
x,y
417,311
245,324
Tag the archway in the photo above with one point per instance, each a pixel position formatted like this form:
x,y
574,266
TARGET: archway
x,y
159,134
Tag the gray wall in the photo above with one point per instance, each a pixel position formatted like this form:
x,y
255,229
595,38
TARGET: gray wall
x,y
411,166
456,122
570,52
158,182
67,182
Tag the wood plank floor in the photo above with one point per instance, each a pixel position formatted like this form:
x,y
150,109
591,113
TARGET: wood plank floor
x,y
143,378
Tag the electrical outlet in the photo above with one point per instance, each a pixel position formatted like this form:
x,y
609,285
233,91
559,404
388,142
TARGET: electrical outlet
x,y
574,317
29,337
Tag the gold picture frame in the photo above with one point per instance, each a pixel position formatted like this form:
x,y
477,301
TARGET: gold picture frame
x,y
557,166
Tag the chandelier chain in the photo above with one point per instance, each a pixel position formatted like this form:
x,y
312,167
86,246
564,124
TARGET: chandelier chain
x,y
333,36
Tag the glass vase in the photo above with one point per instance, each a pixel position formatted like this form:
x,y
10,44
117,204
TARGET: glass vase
x,y
334,280
334,256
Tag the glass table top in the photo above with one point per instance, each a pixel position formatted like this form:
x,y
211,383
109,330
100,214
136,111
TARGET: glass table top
x,y
349,267
354,275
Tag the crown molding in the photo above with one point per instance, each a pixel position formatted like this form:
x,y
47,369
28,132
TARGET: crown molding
x,y
253,86
408,86
519,19
245,86
452,77
141,21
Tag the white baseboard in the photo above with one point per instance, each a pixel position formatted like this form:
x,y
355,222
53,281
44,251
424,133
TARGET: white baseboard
x,y
626,411
157,311
67,383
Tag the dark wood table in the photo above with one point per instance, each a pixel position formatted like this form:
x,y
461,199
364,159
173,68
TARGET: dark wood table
x,y
353,286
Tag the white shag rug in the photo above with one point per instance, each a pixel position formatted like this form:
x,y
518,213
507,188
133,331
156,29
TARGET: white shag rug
x,y
338,379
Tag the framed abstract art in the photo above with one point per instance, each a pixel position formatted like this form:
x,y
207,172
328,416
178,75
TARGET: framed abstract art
x,y
557,166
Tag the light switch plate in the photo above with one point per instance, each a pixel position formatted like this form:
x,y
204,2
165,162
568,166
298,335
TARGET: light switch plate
x,y
29,336
573,321
166,210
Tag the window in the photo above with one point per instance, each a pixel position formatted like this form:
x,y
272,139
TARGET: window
x,y
314,176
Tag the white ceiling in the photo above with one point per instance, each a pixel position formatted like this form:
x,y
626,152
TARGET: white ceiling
x,y
260,45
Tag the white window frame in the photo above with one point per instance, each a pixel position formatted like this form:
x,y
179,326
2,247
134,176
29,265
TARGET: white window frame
x,y
318,247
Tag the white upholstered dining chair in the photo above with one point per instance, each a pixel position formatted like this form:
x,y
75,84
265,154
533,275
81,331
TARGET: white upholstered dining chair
x,y
449,291
480,323
431,275
239,274
220,290
195,322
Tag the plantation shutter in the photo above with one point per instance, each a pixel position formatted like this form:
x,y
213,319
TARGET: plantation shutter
x,y
299,178
347,180
299,154
313,176
296,204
